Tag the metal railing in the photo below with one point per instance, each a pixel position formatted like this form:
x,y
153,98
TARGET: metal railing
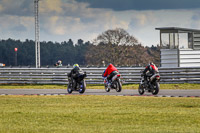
x,y
130,75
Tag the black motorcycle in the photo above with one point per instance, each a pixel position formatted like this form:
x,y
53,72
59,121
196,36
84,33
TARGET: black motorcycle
x,y
115,83
77,85
152,85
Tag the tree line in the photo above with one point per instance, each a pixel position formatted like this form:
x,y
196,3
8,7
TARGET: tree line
x,y
112,46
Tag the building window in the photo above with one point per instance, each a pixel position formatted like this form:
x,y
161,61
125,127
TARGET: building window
x,y
176,40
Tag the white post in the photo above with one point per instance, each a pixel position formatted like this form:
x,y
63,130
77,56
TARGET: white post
x,y
37,43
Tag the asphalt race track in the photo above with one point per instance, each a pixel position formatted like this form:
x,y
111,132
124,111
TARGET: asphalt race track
x,y
125,92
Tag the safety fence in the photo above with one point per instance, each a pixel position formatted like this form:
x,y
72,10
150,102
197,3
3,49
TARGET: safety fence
x,y
130,75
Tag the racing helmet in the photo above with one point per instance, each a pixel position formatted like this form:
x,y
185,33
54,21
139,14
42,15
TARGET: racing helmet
x,y
75,65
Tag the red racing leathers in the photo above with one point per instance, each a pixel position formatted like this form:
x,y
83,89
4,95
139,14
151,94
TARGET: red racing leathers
x,y
109,70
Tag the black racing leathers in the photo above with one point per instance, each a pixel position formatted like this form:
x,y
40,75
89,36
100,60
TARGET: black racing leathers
x,y
151,69
75,72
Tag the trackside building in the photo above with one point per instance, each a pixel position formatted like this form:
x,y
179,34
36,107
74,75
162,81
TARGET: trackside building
x,y
180,47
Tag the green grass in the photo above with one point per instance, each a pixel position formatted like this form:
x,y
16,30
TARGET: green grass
x,y
131,86
180,86
98,114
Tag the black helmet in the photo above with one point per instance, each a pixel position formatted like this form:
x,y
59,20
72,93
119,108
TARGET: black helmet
x,y
151,63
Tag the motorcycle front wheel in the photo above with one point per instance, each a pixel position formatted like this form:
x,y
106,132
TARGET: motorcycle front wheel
x,y
69,88
156,88
141,89
106,88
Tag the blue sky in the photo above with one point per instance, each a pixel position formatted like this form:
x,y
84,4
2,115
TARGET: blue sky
x,y
61,20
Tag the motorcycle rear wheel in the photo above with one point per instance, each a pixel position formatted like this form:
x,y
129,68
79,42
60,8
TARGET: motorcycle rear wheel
x,y
119,86
83,88
156,88
69,88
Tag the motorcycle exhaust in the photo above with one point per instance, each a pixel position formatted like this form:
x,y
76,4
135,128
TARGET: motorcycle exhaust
x,y
116,76
154,76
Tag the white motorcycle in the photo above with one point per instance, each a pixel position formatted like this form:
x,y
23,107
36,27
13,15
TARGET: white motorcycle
x,y
115,83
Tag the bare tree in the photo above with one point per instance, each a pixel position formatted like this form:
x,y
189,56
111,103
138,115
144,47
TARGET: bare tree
x,y
119,48
115,43
116,37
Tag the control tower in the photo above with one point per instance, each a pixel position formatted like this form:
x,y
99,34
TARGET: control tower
x,y
180,47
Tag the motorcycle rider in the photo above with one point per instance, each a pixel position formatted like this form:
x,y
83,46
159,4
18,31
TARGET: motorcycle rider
x,y
149,71
110,71
75,73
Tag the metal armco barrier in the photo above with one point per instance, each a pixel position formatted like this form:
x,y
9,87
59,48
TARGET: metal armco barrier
x,y
130,75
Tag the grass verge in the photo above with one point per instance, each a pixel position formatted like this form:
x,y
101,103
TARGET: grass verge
x,y
131,86
99,114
